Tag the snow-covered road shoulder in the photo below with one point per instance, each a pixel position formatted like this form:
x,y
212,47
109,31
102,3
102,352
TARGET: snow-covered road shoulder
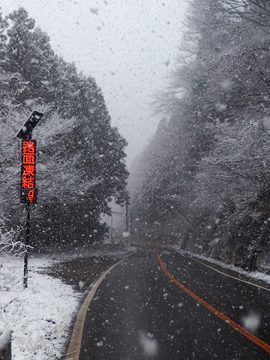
x,y
256,276
39,316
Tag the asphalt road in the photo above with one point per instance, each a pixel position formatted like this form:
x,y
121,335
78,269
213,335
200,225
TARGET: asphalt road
x,y
139,312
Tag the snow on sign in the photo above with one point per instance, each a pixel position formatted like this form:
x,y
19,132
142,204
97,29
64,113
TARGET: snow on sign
x,y
28,172
26,130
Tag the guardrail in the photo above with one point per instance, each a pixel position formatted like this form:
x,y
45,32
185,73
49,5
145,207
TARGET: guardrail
x,y
5,344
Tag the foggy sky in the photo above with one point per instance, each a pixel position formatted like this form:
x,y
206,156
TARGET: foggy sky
x,y
128,46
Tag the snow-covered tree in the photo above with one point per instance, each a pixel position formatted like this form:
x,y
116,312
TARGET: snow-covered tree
x,y
213,156
80,155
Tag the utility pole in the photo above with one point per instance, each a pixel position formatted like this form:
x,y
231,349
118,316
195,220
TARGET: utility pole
x,y
111,229
127,203
131,221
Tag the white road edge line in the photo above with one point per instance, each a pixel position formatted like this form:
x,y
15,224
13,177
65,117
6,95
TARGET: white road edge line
x,y
76,337
230,276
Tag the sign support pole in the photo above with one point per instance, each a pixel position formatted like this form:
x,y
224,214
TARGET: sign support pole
x,y
27,242
28,178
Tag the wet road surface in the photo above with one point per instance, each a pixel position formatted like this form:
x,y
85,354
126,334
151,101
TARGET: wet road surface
x,y
138,313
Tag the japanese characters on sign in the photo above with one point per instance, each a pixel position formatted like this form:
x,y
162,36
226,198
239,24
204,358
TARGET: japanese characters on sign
x,y
28,172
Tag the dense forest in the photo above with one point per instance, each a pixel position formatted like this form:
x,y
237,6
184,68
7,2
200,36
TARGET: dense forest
x,y
80,156
203,182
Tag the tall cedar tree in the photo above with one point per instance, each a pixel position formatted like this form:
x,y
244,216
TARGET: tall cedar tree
x,y
80,155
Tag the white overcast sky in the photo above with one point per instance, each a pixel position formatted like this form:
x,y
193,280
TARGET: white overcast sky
x,y
128,46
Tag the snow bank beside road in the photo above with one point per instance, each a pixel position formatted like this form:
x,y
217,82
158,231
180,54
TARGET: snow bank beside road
x,y
255,275
40,315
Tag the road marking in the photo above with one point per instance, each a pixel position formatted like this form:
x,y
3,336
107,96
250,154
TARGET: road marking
x,y
233,277
77,333
230,322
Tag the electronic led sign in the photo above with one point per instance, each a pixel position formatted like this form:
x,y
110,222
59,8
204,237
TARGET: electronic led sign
x,y
28,172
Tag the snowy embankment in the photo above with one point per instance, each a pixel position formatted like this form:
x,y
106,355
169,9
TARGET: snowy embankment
x,y
39,316
255,275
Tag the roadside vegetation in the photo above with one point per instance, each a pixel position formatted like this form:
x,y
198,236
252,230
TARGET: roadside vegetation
x,y
203,182
80,155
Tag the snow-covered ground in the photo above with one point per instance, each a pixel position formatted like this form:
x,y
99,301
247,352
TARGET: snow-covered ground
x,y
39,316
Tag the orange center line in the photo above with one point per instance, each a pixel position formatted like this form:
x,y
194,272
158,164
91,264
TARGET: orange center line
x,y
230,322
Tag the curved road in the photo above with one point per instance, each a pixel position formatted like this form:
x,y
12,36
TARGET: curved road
x,y
174,307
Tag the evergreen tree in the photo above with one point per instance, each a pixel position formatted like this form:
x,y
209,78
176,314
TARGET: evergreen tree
x,y
212,157
80,155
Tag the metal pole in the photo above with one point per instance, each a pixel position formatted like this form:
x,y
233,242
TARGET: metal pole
x,y
26,134
131,221
126,216
27,242
111,230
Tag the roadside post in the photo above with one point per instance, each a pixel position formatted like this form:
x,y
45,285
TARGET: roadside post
x,y
5,344
28,177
